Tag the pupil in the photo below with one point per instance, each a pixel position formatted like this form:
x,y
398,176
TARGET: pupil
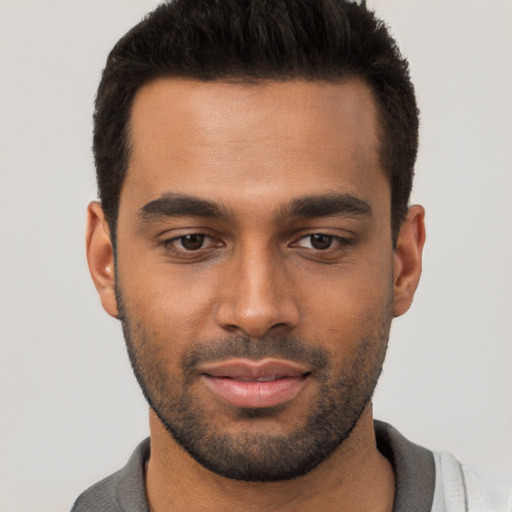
x,y
321,241
192,242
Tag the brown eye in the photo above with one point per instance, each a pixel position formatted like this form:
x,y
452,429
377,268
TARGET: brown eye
x,y
320,242
192,242
192,245
322,246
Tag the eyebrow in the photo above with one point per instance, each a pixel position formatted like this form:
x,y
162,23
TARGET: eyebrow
x,y
322,205
180,205
325,205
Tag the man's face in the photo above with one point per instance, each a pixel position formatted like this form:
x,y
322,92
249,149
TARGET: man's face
x,y
255,266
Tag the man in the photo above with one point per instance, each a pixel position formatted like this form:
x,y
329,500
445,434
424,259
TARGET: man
x,y
255,239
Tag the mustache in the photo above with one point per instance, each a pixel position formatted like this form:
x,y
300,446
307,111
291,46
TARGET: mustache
x,y
280,347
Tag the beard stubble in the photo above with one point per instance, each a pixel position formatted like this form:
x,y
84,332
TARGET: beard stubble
x,y
341,398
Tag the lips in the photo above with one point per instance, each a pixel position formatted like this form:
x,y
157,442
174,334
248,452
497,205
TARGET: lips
x,y
255,384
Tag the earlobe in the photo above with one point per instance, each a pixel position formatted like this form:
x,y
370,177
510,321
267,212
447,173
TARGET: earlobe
x,y
408,259
100,257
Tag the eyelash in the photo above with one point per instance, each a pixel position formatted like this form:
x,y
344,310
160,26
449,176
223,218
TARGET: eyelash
x,y
339,242
169,244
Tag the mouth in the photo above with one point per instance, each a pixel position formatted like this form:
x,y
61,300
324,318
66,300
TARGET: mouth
x,y
255,384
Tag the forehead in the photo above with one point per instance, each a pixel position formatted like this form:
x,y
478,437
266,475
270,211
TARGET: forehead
x,y
214,138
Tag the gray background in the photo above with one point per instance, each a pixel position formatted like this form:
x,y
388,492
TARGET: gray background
x,y
71,411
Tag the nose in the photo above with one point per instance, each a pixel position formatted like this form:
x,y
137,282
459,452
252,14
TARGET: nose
x,y
256,296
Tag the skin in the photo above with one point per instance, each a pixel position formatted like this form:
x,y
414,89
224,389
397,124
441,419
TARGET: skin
x,y
253,150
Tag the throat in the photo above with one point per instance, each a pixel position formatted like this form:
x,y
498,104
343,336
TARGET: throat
x,y
356,477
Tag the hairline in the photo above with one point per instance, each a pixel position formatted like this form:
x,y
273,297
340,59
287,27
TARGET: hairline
x,y
254,81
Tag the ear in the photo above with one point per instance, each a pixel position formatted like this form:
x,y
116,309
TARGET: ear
x,y
100,257
408,258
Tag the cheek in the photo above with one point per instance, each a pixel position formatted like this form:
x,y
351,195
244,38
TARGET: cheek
x,y
350,305
339,304
175,305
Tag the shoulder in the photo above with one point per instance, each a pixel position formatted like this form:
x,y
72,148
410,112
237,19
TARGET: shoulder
x,y
460,487
123,490
100,497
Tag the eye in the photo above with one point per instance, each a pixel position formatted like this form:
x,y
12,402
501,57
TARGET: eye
x,y
193,242
319,241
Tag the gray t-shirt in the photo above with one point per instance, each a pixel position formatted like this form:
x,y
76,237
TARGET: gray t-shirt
x,y
414,467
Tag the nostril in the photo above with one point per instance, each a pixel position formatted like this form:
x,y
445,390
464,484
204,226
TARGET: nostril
x,y
232,328
254,318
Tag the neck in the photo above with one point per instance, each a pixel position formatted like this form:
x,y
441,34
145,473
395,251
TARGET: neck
x,y
355,477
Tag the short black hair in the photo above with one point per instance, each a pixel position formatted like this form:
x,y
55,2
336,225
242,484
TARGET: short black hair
x,y
251,40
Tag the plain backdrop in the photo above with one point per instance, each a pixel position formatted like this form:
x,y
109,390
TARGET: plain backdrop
x,y
71,411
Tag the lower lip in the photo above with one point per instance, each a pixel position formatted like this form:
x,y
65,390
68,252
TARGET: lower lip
x,y
253,394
